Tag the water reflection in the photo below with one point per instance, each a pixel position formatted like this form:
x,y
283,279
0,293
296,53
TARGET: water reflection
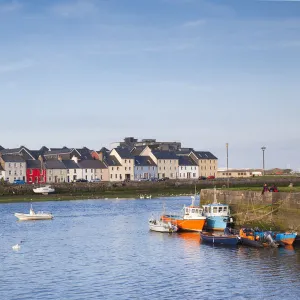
x,y
104,250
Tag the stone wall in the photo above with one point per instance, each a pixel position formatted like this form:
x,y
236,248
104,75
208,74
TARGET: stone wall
x,y
281,209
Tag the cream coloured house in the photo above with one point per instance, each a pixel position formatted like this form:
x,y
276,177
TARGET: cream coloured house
x,y
126,161
207,163
56,171
166,161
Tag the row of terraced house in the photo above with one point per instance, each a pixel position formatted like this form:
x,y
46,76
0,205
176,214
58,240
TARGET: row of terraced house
x,y
54,165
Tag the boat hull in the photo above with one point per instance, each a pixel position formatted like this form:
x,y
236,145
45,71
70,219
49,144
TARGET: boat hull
x,y
251,243
217,223
28,217
286,238
185,224
221,240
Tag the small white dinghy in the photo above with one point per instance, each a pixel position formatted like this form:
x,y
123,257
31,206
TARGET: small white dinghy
x,y
161,226
44,190
40,215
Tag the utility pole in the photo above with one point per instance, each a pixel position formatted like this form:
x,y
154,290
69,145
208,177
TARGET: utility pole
x,y
263,151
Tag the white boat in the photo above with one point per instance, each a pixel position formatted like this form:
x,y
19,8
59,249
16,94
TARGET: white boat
x,y
45,190
161,226
40,215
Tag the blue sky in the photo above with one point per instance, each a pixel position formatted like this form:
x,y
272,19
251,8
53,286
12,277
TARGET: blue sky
x,y
203,72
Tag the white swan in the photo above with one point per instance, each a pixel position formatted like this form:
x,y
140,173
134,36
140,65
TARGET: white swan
x,y
16,247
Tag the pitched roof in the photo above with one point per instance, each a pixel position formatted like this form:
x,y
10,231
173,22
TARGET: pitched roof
x,y
204,155
84,152
143,161
57,151
124,153
12,158
111,160
137,150
91,164
33,164
1,148
184,151
165,155
186,161
54,164
70,164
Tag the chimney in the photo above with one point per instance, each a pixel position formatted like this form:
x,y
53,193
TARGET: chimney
x,y
75,158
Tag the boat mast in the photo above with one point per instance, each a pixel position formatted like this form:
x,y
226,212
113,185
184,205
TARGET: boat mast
x,y
215,196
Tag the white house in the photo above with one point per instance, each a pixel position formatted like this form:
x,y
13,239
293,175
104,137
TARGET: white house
x,y
14,167
187,168
90,169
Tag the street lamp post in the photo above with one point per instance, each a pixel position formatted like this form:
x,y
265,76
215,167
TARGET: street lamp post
x,y
263,151
227,165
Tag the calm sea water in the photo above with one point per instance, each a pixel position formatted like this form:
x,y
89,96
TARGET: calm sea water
x,y
102,249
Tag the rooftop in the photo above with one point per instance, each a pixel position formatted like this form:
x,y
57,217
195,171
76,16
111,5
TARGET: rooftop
x,y
186,161
12,158
165,155
143,161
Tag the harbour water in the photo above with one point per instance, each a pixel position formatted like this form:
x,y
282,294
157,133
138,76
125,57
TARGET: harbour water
x,y
102,249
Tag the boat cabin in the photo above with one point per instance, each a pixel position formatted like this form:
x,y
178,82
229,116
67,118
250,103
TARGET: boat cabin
x,y
192,212
216,210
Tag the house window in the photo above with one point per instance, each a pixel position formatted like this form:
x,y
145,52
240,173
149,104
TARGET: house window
x,y
85,177
74,171
101,177
121,176
172,175
142,168
68,171
111,176
129,168
116,176
194,174
170,161
159,168
50,178
117,168
9,172
164,168
179,174
9,165
125,168
112,168
15,165
170,168
125,161
85,170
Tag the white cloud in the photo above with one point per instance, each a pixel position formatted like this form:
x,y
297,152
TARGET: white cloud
x,y
10,7
75,9
16,66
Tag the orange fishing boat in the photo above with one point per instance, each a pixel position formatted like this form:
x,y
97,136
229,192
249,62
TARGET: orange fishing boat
x,y
191,220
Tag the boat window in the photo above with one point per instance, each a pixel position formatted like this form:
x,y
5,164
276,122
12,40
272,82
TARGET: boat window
x,y
193,210
220,209
206,209
215,209
187,210
225,208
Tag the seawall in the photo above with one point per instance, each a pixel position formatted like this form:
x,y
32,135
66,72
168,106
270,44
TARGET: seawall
x,y
250,208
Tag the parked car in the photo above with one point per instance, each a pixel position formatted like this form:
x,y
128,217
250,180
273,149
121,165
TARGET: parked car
x,y
18,181
95,180
163,179
202,178
211,177
81,180
154,179
143,179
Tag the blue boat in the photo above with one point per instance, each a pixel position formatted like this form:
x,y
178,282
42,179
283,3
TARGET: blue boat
x,y
230,240
217,215
285,238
